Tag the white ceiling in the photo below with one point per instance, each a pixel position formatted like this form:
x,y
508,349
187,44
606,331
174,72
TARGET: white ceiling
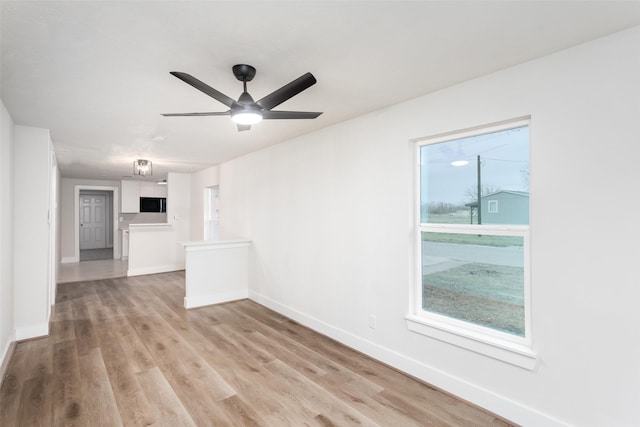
x,y
97,73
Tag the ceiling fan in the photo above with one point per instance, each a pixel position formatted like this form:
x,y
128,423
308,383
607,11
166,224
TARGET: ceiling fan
x,y
245,111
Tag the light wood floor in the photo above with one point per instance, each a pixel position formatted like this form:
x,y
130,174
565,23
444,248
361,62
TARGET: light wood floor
x,y
125,352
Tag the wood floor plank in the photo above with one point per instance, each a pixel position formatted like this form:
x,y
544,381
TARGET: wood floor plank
x,y
101,408
10,398
240,371
171,349
68,405
132,403
35,402
199,388
125,352
332,373
317,398
167,407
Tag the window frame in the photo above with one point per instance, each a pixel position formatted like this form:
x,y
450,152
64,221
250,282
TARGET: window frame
x,y
490,204
484,340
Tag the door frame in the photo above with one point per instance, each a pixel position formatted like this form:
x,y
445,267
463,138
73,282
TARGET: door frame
x,y
104,196
116,209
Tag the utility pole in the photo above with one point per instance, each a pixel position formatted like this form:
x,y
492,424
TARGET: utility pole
x,y
479,190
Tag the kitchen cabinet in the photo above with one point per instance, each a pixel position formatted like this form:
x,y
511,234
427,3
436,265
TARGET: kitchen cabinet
x,y
151,189
130,197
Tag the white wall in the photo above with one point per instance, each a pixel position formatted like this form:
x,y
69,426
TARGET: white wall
x,y
179,210
67,211
7,289
200,181
330,215
153,249
31,248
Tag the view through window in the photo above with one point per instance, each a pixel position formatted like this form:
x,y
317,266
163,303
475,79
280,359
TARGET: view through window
x,y
474,227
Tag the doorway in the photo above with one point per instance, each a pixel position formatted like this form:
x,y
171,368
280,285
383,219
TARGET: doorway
x,y
211,213
96,227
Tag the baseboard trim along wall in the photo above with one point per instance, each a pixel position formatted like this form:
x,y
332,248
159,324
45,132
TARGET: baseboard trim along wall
x,y
69,260
217,298
486,399
6,357
155,269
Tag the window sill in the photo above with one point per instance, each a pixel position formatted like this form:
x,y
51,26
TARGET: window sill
x,y
495,347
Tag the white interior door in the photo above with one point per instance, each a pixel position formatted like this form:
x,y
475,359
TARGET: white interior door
x,y
93,226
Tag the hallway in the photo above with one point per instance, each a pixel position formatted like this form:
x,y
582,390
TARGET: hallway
x,y
92,270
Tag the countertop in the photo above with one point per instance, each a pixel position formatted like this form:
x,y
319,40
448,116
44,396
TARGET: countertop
x,y
151,224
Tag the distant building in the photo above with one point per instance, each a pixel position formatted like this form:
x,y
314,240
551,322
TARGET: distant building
x,y
503,207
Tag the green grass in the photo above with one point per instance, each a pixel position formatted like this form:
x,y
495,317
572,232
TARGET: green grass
x,y
466,239
449,219
473,239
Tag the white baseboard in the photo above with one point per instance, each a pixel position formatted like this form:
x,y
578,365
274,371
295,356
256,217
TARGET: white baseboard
x,y
200,301
69,259
7,352
500,405
154,269
35,331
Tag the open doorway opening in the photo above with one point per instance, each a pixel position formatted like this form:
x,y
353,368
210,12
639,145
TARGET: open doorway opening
x,y
211,213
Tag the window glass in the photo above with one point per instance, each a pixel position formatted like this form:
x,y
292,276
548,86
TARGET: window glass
x,y
478,278
474,224
451,173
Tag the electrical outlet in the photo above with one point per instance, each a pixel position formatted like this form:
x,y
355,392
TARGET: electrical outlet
x,y
372,321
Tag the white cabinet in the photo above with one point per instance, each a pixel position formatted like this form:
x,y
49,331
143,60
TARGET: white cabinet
x,y
130,200
160,190
151,189
133,190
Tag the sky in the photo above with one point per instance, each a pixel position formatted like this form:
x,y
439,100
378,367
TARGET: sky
x,y
504,155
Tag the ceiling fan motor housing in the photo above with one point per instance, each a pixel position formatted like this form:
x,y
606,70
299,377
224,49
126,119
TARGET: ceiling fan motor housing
x,y
244,72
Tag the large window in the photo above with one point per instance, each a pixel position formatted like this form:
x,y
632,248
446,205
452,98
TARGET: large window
x,y
473,239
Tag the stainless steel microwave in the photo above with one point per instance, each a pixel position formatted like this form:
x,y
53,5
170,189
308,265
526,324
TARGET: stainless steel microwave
x,y
153,204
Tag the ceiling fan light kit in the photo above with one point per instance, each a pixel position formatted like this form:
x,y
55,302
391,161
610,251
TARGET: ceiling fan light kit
x,y
246,116
245,111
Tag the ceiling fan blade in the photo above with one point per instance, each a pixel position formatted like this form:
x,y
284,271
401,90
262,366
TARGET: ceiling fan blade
x,y
270,115
243,127
203,87
226,113
287,91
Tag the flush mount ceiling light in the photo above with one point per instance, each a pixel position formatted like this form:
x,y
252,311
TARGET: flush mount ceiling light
x,y
142,167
